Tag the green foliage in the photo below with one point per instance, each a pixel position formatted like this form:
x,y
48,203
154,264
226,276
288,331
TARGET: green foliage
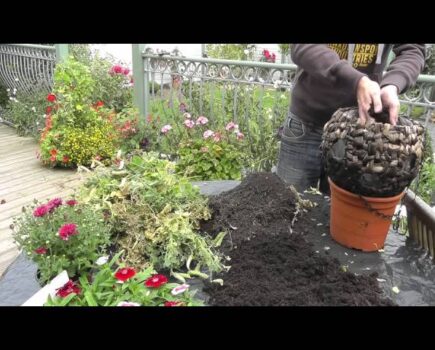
x,y
27,112
231,51
4,97
153,212
104,290
77,254
207,160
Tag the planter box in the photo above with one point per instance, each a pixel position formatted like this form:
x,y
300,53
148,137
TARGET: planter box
x,y
39,298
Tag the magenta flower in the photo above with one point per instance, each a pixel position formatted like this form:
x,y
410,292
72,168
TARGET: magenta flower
x,y
117,69
207,134
189,123
41,211
67,230
126,71
201,120
53,204
240,136
165,129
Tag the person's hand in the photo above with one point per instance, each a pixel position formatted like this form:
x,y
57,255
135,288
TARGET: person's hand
x,y
368,93
390,101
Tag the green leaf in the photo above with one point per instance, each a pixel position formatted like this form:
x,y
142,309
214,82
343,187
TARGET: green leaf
x,y
65,301
90,299
219,238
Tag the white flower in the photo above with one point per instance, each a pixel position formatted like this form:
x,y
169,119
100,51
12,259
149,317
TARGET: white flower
x,y
128,303
8,90
16,79
180,289
102,260
15,91
246,51
33,109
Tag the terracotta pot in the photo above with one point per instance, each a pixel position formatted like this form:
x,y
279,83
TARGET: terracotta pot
x,y
354,225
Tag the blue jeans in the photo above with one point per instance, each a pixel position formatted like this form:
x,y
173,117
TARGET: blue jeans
x,y
300,162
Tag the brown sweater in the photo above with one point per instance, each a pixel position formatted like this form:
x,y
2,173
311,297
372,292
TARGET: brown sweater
x,y
326,80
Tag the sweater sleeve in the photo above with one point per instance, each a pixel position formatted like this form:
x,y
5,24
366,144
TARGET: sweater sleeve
x,y
321,61
404,69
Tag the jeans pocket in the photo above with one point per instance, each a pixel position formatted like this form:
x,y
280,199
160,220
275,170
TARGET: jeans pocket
x,y
293,129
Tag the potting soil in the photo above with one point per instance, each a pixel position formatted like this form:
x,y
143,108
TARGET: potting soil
x,y
272,263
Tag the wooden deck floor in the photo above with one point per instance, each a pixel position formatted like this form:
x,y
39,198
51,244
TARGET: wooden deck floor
x,y
22,179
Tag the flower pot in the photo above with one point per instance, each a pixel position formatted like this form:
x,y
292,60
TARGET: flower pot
x,y
360,222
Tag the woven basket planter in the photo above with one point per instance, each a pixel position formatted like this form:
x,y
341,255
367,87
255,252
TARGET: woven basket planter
x,y
376,159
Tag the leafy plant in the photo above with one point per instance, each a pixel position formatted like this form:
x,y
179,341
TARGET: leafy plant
x,y
231,51
123,287
4,98
78,128
153,212
61,236
27,112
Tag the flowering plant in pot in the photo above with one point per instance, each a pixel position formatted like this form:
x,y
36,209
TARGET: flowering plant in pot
x,y
123,286
60,235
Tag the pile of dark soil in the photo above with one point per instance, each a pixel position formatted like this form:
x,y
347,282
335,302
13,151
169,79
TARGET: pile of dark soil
x,y
270,266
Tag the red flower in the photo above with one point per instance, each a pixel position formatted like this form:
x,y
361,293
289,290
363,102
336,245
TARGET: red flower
x,y
67,230
156,281
68,288
99,104
125,274
41,250
53,204
71,202
116,69
266,54
126,71
65,159
51,97
48,110
172,303
41,211
53,152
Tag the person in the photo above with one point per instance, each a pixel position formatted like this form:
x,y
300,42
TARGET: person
x,y
332,76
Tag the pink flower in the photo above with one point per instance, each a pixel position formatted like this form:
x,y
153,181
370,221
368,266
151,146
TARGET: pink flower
x,y
189,123
201,120
180,289
41,211
53,204
217,137
128,303
207,134
240,136
67,230
126,71
71,202
41,250
204,149
231,126
165,129
116,69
